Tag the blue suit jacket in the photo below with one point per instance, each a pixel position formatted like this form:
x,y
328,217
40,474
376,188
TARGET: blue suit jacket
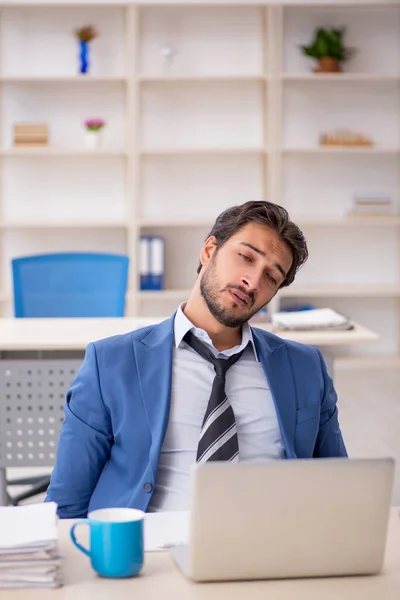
x,y
117,411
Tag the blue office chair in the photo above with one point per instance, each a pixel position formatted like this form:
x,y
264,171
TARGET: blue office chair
x,y
70,285
67,285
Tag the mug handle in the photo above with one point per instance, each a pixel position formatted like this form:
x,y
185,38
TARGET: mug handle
x,y
73,538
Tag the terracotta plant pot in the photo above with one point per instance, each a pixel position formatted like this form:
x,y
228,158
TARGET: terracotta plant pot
x,y
327,65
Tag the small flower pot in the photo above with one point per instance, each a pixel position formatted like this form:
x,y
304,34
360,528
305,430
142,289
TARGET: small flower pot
x,y
92,140
327,65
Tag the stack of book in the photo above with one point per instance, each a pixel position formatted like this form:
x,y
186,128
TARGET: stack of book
x,y
32,135
372,205
344,137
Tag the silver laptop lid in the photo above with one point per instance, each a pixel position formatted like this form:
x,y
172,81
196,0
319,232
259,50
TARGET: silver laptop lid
x,y
289,518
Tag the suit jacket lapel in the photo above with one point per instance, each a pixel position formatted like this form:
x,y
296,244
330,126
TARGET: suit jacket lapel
x,y
273,355
153,356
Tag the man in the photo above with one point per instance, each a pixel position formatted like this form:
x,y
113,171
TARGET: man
x,y
202,385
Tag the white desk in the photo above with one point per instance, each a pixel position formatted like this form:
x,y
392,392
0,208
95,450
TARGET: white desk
x,y
75,334
161,579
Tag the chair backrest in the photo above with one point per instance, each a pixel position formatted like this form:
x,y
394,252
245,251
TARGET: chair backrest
x,y
70,285
32,397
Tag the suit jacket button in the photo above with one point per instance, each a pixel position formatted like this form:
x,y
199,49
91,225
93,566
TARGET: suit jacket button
x,y
148,487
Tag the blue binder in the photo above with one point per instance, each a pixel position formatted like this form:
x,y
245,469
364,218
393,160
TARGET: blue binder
x,y
144,262
152,262
157,263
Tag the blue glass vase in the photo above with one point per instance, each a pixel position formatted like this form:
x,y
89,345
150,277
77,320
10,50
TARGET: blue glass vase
x,y
84,56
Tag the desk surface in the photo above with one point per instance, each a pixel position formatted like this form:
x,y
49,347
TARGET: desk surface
x,y
161,579
75,334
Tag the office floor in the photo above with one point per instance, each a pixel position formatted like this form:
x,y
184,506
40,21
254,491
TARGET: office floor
x,y
369,405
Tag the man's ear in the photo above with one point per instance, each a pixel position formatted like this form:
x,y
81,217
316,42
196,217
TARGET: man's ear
x,y
208,249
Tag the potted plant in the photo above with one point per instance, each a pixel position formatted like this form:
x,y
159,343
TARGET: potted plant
x,y
93,133
328,49
85,35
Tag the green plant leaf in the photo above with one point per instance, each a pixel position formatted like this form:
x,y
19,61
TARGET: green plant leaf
x,y
328,42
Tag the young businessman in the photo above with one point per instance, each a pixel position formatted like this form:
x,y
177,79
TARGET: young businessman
x,y
202,385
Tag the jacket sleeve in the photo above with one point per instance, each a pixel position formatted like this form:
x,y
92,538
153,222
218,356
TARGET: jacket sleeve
x,y
329,440
85,442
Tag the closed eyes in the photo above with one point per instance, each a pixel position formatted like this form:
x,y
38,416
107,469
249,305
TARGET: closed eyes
x,y
267,274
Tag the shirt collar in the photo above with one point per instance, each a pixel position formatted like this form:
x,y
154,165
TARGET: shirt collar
x,y
182,325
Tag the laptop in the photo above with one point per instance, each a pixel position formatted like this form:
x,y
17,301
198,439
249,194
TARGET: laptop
x,y
289,518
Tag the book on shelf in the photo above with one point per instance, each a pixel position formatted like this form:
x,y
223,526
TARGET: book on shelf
x,y
151,260
376,214
26,134
372,205
344,138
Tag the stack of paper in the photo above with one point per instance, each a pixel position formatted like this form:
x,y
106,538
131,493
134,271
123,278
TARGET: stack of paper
x,y
319,318
29,554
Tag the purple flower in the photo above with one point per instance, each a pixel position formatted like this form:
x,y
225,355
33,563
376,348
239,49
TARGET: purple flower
x,y
94,124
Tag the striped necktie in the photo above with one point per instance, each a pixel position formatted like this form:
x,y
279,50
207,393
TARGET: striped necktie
x,y
218,434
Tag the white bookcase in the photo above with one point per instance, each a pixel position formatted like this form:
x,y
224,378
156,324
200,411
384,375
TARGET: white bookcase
x,y
234,115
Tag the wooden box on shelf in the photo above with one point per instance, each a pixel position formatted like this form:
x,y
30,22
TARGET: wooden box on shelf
x,y
31,135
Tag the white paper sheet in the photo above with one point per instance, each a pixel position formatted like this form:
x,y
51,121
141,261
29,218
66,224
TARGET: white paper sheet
x,y
163,530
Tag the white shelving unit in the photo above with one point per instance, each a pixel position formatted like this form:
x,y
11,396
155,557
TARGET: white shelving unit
x,y
235,115
35,79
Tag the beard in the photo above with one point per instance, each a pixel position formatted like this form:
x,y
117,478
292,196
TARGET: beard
x,y
210,290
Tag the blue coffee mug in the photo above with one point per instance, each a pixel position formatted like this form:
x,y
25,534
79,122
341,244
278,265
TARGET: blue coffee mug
x,y
116,541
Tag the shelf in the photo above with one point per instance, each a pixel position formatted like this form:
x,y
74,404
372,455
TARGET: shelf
x,y
200,151
59,152
162,295
201,78
366,221
341,291
372,150
83,80
156,222
362,221
28,4
339,78
63,225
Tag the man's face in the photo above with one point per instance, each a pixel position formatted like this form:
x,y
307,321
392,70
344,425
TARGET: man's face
x,y
244,274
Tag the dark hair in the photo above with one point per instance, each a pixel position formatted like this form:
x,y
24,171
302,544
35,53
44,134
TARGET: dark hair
x,y
265,213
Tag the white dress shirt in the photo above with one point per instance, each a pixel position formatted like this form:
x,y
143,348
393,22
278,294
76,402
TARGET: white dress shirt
x,y
247,389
